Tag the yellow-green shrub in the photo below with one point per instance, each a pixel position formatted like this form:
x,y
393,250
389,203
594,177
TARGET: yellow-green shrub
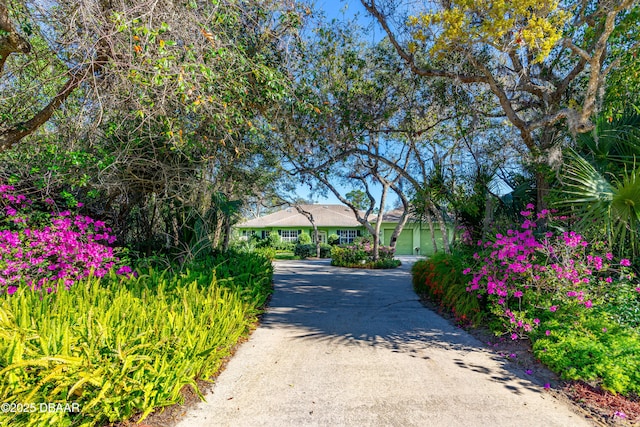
x,y
120,347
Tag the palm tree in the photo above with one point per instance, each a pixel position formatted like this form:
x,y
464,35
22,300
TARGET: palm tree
x,y
602,183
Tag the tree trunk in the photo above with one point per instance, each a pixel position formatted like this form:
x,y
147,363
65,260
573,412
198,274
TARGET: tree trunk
x,y
443,227
542,189
316,238
227,232
376,234
488,217
434,242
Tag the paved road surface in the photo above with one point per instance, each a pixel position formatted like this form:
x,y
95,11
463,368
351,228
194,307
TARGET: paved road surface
x,y
342,347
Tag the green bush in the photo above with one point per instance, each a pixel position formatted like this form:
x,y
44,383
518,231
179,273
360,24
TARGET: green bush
x,y
333,239
269,253
622,303
274,239
592,348
119,347
348,256
309,250
440,280
358,257
304,239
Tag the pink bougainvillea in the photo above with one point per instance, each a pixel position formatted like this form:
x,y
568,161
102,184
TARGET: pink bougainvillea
x,y
66,248
550,271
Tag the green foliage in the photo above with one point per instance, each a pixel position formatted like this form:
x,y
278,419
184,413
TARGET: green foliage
x,y
614,206
622,305
269,253
273,240
440,279
359,256
348,257
358,198
309,250
285,255
304,239
333,239
591,348
249,273
121,347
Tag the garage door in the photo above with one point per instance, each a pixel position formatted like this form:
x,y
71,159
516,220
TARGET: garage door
x,y
426,242
404,245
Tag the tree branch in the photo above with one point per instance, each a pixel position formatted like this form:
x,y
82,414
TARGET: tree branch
x,y
18,131
409,58
10,40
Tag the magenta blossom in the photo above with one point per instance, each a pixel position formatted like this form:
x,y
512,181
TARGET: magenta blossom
x,y
66,249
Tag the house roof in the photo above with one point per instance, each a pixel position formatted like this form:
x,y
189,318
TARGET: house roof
x,y
392,216
323,216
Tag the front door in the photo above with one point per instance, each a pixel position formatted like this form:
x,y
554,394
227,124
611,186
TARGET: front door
x,y
322,235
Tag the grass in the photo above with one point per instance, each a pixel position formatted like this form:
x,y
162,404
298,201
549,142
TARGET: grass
x,y
285,255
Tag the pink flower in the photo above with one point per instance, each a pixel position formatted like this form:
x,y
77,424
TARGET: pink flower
x,y
553,308
625,262
12,290
547,332
529,206
124,270
588,304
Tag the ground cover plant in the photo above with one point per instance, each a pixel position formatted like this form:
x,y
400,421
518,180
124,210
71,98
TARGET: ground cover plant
x,y
120,346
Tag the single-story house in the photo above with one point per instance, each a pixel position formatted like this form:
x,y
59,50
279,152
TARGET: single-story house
x,y
415,238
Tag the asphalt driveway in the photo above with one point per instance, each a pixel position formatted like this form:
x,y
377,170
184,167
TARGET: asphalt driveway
x,y
343,347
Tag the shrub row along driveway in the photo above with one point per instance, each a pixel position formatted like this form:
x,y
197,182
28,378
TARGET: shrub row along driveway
x,y
355,347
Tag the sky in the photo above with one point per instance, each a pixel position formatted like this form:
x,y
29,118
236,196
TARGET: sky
x,y
340,10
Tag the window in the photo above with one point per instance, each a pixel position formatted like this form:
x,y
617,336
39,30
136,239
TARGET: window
x,y
289,235
347,236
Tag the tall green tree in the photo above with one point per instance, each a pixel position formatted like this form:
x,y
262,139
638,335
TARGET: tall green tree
x,y
171,98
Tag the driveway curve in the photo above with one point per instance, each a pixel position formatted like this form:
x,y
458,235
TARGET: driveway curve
x,y
343,347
